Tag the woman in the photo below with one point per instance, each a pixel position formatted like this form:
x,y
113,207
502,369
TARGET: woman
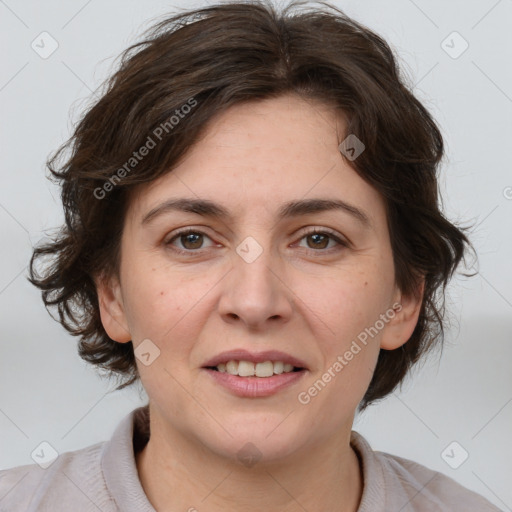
x,y
253,231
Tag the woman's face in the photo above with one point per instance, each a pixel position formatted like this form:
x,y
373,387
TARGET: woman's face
x,y
256,280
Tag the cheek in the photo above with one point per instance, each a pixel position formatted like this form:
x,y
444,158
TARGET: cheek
x,y
349,350
355,309
161,302
344,304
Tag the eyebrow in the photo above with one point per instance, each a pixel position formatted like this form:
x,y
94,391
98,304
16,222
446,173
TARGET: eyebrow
x,y
208,208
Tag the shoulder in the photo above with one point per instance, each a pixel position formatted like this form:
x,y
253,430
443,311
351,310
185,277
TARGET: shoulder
x,y
74,481
431,490
405,485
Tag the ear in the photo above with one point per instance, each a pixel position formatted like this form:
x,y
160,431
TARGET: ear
x,y
407,309
112,310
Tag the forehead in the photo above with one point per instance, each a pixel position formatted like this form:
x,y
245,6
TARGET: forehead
x,y
256,156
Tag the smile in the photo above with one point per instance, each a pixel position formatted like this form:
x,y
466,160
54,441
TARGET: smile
x,y
250,369
252,385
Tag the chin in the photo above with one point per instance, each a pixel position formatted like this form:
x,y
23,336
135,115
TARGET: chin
x,y
251,444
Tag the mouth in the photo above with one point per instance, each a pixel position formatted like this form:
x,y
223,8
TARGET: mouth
x,y
252,375
243,363
264,369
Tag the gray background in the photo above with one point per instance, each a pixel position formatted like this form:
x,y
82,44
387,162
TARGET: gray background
x,y
48,394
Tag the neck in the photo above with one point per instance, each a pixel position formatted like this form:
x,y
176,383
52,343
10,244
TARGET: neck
x,y
178,473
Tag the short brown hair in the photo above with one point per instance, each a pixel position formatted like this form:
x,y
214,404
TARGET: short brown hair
x,y
219,56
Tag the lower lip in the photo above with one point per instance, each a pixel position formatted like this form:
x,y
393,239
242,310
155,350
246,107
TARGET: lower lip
x,y
253,387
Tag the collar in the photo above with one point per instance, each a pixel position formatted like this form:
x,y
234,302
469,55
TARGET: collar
x,y
132,433
118,462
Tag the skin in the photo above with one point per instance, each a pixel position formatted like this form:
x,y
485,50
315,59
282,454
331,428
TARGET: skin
x,y
295,297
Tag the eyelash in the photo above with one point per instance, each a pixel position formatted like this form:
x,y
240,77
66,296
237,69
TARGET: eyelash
x,y
315,231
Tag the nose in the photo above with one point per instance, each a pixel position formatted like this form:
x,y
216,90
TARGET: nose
x,y
256,293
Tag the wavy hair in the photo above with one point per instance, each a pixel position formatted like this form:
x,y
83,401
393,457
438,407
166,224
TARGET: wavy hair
x,y
219,56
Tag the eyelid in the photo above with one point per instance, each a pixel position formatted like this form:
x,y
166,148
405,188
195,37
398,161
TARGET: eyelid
x,y
341,241
184,231
323,231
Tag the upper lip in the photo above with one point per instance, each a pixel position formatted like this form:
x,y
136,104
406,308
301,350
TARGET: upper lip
x,y
255,357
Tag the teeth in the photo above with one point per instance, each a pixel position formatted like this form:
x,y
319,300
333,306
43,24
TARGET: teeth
x,y
265,369
232,367
278,367
249,369
245,369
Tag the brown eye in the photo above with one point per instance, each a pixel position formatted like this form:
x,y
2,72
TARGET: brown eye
x,y
319,241
189,241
